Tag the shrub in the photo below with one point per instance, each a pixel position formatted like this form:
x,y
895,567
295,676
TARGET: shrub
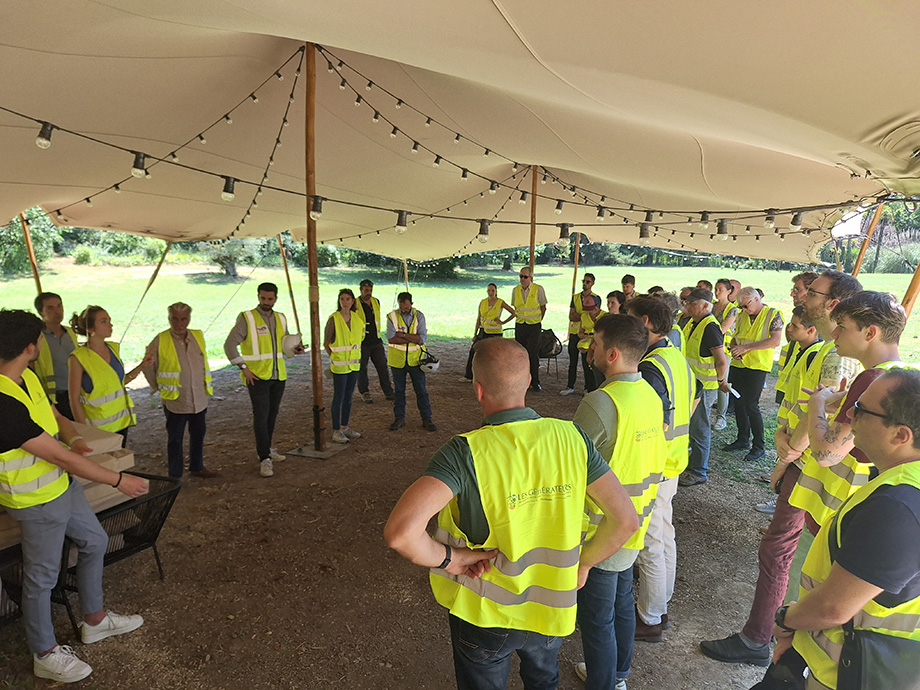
x,y
83,256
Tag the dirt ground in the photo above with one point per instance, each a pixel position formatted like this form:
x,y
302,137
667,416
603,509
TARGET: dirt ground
x,y
287,582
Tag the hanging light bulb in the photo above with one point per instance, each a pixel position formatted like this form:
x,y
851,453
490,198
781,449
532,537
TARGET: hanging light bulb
x,y
437,162
644,233
493,187
228,119
329,67
465,175
782,238
722,229
414,147
394,132
316,207
601,213
228,193
769,222
559,207
343,84
523,199
747,229
483,235
174,157
543,181
358,100
428,122
89,202
279,76
139,170
399,103
117,189
43,140
457,139
704,221
401,221
486,153
253,98
563,240
376,117
370,85
202,139
649,217
796,224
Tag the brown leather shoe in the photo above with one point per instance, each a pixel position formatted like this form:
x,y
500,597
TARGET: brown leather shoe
x,y
647,633
428,425
205,473
397,424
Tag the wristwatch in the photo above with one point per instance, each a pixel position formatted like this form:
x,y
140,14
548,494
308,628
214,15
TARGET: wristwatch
x,y
446,561
243,366
780,619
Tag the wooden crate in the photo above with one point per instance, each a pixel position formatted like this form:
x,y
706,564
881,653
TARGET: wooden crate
x,y
100,441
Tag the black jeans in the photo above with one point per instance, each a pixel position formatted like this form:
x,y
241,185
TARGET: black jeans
x,y
528,335
376,351
482,335
749,384
175,434
266,401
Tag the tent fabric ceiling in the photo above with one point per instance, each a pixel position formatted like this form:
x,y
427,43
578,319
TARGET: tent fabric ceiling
x,y
670,106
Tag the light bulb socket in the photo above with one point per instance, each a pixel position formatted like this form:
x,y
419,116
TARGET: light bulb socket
x,y
601,214
402,221
465,174
558,207
138,169
644,233
228,193
43,140
523,199
493,187
649,216
437,162
483,235
316,207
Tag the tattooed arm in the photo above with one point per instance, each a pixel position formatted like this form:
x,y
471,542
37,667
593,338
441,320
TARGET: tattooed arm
x,y
830,441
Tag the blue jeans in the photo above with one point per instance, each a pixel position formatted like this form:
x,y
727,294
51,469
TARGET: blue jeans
x,y
343,390
175,434
482,657
421,393
701,434
607,619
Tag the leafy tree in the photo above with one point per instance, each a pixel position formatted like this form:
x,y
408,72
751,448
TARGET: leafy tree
x,y
14,258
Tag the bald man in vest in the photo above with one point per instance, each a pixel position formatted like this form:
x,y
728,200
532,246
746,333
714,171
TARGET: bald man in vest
x,y
38,492
508,495
182,375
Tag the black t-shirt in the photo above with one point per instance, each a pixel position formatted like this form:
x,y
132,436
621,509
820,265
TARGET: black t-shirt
x,y
370,323
17,426
712,338
655,378
879,540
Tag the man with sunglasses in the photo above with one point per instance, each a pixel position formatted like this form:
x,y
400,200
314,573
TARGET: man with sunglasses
x,y
529,302
576,312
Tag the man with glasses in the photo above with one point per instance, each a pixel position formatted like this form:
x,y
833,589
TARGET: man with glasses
x,y
758,332
789,353
576,310
529,302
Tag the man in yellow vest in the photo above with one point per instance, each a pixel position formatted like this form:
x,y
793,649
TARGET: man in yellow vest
x,y
510,495
254,345
407,332
758,332
372,346
180,372
625,420
576,309
60,342
529,302
38,491
667,371
863,570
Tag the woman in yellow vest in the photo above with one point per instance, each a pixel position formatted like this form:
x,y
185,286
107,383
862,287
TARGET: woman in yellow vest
x,y
726,313
488,322
342,341
97,375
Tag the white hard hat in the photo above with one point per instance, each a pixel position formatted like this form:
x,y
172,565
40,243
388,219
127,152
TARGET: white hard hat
x,y
289,343
428,362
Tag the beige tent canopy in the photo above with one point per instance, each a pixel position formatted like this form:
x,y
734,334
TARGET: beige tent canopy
x,y
670,109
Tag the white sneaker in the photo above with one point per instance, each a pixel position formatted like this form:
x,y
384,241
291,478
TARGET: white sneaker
x,y
768,507
265,468
276,456
61,664
338,436
351,433
719,424
112,624
567,391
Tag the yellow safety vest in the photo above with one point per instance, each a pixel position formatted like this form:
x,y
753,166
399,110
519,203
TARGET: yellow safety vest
x,y
408,355
346,348
677,334
787,363
490,317
720,316
639,456
168,367
704,368
375,305
821,648
258,350
792,379
108,407
534,510
529,311
679,379
587,324
44,367
574,326
27,480
747,331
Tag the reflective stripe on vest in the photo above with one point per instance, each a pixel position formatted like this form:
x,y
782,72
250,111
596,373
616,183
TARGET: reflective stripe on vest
x,y
44,367
704,368
168,366
408,355
258,350
529,311
821,649
345,353
794,376
639,455
26,480
108,407
678,377
748,332
490,317
533,509
676,336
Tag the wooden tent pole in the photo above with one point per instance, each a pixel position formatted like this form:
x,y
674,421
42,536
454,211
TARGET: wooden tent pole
x,y
316,343
837,252
31,250
287,274
575,270
406,274
865,244
533,214
911,295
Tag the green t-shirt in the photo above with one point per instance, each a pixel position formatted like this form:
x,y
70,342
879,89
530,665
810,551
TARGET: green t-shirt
x,y
453,465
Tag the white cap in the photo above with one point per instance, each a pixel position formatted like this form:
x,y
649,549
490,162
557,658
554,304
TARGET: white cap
x,y
289,343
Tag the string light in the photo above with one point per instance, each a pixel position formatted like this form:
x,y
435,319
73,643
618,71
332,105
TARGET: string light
x,y
796,224
601,212
43,140
89,202
414,147
563,240
457,139
649,217
493,188
358,100
523,199
343,84
394,132
174,157
722,229
376,117
704,221
202,139
279,76
139,170
770,221
483,235
399,103
401,221
644,231
228,193
228,119
559,207
316,207
370,85
465,175
437,162
117,189
486,153
253,98
428,122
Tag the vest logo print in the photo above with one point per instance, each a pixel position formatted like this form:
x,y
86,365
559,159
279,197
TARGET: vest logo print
x,y
646,434
262,330
540,493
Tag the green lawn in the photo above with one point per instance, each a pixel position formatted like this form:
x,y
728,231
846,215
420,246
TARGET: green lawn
x,y
450,307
